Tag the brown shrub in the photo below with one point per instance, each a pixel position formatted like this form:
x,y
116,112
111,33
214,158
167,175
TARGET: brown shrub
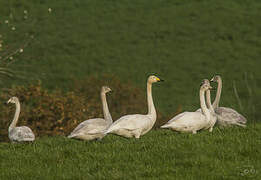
x,y
46,113
58,113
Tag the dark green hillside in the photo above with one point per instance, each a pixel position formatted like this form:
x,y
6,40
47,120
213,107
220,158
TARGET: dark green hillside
x,y
182,41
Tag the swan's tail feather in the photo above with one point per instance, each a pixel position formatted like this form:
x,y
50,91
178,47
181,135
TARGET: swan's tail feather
x,y
242,125
165,126
28,139
71,136
106,131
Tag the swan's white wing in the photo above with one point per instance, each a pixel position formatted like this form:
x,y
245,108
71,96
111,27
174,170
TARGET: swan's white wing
x,y
230,116
130,122
176,117
91,126
22,133
96,128
187,120
85,123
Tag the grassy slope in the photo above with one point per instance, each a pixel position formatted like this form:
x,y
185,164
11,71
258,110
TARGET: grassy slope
x,y
181,40
224,154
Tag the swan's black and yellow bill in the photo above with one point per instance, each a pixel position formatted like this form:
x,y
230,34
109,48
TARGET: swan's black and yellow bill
x,y
159,80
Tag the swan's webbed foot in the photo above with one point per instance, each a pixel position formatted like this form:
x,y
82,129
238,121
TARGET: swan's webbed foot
x,y
194,132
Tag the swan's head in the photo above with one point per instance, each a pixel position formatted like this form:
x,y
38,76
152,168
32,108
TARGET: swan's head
x,y
153,79
205,81
205,87
12,100
106,89
216,78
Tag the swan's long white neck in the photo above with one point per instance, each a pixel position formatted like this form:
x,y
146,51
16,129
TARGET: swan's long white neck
x,y
17,112
151,107
208,95
106,112
218,95
203,106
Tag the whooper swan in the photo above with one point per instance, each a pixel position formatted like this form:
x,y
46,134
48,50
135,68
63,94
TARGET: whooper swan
x,y
192,121
93,128
137,124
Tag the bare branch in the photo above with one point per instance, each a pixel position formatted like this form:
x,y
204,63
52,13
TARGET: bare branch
x,y
16,51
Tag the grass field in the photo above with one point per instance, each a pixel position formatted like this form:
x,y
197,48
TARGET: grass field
x,y
225,154
183,41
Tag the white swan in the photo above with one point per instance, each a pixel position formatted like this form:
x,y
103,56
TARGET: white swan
x,y
226,116
136,125
22,133
192,121
93,128
213,115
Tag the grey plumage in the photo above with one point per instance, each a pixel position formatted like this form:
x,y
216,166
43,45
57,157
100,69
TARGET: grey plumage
x,y
22,133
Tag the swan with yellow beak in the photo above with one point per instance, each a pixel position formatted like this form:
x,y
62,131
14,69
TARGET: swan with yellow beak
x,y
136,125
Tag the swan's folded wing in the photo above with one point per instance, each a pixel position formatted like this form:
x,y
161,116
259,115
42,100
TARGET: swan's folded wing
x,y
230,115
22,133
96,129
187,121
89,125
80,126
129,122
177,117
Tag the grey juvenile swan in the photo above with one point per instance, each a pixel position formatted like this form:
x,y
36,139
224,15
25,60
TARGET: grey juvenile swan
x,y
226,116
93,128
137,124
22,133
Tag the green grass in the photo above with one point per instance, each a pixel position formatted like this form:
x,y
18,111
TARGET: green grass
x,y
223,154
183,41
